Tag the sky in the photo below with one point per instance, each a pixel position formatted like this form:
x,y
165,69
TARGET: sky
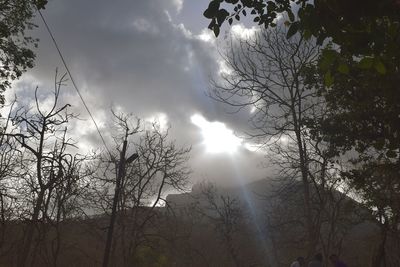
x,y
153,59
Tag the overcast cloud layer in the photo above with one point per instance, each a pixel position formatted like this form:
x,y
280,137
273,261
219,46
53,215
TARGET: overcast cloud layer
x,y
151,58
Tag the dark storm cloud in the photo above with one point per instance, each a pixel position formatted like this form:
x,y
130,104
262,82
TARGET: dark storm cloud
x,y
136,55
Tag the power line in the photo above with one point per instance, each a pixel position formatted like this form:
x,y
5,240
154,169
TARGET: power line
x,y
72,80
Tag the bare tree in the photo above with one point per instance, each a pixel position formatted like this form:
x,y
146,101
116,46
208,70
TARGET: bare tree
x,y
159,167
334,214
63,203
42,136
10,158
122,122
226,215
267,77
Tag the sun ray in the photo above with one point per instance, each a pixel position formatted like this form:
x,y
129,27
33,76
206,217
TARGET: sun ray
x,y
217,138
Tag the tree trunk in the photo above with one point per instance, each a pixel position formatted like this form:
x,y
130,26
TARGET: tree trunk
x,y
311,237
380,257
30,231
121,172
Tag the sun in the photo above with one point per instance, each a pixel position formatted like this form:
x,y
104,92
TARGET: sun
x,y
217,138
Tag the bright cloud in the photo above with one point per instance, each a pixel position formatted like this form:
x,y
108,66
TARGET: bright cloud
x,y
239,30
217,138
206,36
160,119
178,4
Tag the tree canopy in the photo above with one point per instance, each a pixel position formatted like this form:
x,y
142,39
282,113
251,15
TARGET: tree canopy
x,y
16,53
367,30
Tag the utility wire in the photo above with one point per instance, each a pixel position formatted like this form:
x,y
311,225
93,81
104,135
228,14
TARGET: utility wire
x,y
73,81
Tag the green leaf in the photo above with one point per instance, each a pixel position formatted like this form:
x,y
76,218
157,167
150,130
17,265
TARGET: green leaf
x,y
328,78
208,13
271,6
329,55
393,29
216,30
366,63
212,9
41,3
391,154
379,144
291,15
293,29
221,16
327,59
320,39
212,23
379,67
307,34
343,68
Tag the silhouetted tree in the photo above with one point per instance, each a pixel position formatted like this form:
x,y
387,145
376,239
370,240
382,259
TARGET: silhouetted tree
x,y
10,158
45,146
361,125
16,55
368,43
226,215
159,167
360,72
266,77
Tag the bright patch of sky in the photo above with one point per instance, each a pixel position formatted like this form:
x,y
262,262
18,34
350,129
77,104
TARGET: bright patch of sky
x,y
254,147
217,138
207,36
160,119
240,31
178,4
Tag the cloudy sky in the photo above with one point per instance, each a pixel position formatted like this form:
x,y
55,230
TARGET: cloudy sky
x,y
154,59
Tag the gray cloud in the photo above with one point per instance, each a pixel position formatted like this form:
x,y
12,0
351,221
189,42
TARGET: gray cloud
x,y
140,56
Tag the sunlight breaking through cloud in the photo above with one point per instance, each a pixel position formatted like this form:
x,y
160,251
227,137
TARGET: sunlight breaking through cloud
x,y
217,138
